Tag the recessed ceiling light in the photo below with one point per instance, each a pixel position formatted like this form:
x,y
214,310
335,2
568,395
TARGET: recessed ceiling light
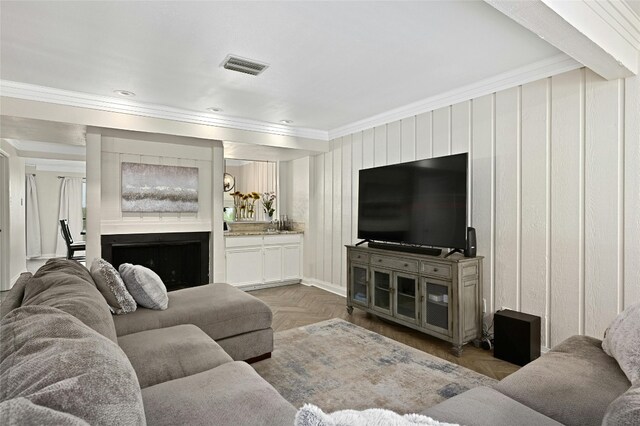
x,y
214,109
286,121
125,93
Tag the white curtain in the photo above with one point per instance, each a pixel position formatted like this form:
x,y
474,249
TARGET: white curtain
x,y
70,209
34,243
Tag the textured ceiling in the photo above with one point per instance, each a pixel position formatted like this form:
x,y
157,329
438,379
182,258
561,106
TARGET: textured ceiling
x,y
330,63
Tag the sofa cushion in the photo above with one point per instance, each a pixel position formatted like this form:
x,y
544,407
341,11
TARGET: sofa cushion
x,y
624,411
16,294
52,359
573,383
145,286
21,411
622,341
483,406
68,286
220,310
231,394
243,347
112,288
176,352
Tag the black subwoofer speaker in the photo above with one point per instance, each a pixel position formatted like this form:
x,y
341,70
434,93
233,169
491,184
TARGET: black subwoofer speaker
x,y
516,336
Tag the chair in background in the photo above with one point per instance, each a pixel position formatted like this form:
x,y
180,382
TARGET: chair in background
x,y
68,239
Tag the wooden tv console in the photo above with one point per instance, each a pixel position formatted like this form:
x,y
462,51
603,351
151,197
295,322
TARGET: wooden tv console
x,y
437,296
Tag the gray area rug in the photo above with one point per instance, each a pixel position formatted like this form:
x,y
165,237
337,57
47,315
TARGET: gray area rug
x,y
337,365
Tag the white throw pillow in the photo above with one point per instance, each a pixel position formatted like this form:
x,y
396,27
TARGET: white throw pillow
x,y
145,286
310,415
112,287
622,342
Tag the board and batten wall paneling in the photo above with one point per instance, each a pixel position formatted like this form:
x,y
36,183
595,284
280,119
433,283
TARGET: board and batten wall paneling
x,y
346,205
408,136
567,205
424,136
554,195
483,198
356,166
631,229
602,210
507,180
534,219
336,252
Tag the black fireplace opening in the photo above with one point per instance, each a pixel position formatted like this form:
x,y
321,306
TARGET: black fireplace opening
x,y
181,259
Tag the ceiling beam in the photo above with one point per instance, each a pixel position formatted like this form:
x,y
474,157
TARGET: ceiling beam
x,y
602,35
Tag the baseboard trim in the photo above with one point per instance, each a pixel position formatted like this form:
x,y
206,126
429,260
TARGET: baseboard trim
x,y
324,285
250,287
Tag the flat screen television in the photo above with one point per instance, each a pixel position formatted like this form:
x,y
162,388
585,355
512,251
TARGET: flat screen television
x,y
420,202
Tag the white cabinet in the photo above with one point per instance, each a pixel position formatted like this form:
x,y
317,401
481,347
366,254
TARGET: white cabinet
x,y
263,260
272,256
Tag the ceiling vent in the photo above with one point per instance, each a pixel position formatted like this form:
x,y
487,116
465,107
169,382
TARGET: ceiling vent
x,y
243,65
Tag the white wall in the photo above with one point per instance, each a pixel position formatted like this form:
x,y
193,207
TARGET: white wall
x,y
555,195
116,150
16,230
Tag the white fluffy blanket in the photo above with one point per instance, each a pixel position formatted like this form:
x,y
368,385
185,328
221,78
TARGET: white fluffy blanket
x,y
310,415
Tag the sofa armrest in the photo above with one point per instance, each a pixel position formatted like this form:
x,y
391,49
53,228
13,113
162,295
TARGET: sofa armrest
x,y
484,406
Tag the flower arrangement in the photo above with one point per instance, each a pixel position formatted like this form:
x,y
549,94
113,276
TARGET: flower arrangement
x,y
252,197
267,202
245,204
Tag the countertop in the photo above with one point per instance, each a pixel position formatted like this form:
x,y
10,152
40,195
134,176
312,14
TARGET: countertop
x,y
246,233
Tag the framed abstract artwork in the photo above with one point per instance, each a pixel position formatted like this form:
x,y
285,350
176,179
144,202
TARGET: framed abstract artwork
x,y
158,188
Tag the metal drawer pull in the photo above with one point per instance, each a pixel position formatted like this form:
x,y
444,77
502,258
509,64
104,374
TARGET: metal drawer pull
x,y
406,265
379,260
435,269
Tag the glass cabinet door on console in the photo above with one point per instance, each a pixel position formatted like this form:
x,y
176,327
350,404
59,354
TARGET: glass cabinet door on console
x,y
406,300
435,301
360,284
381,290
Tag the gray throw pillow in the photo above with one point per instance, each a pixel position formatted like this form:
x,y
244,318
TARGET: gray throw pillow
x,y
622,342
112,287
55,361
625,410
145,286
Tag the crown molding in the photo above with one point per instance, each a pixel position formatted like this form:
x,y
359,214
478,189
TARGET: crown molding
x,y
542,69
536,71
620,17
32,92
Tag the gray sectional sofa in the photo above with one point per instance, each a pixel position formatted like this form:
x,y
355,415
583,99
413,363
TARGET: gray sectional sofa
x,y
65,359
573,384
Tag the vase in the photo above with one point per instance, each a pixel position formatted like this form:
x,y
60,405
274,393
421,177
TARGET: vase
x,y
269,217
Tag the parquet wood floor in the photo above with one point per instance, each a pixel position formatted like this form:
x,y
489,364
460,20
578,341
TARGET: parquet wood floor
x,y
298,305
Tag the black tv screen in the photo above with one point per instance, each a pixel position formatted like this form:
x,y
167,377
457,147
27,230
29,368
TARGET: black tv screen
x,y
421,202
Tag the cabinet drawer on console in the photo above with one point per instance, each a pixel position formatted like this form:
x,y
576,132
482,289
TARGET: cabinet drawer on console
x,y
395,263
436,269
358,256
